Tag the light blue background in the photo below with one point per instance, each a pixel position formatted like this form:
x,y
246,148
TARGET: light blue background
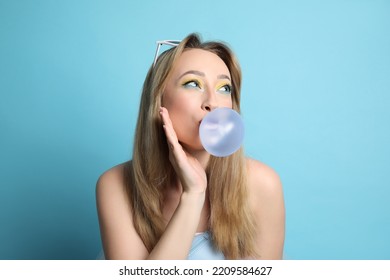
x,y
316,98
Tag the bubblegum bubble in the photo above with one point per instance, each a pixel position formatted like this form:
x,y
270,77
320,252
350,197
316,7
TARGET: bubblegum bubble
x,y
221,132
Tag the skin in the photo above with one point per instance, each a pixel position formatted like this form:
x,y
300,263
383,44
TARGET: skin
x,y
199,83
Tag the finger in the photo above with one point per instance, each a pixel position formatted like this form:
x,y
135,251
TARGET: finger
x,y
170,133
168,126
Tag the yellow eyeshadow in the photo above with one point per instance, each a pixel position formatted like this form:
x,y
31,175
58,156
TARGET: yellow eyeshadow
x,y
185,81
219,85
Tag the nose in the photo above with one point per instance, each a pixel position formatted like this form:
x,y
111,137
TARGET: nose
x,y
209,102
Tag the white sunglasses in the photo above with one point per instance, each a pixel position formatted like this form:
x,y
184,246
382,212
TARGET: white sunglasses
x,y
172,43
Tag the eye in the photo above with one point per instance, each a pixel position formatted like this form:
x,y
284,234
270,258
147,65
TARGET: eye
x,y
192,84
227,89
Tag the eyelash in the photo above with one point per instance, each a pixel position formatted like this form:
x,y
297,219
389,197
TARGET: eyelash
x,y
188,84
195,83
228,88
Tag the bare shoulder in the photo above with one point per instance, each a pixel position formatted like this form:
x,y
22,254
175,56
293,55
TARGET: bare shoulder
x,y
111,192
112,177
119,238
262,179
267,204
110,187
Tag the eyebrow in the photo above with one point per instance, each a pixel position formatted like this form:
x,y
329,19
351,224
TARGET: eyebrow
x,y
199,73
223,77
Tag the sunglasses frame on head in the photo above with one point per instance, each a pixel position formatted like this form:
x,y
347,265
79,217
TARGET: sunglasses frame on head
x,y
172,43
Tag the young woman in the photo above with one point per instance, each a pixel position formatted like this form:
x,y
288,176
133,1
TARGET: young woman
x,y
174,200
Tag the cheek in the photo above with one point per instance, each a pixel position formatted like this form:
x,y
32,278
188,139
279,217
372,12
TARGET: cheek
x,y
184,121
173,99
180,110
176,105
226,101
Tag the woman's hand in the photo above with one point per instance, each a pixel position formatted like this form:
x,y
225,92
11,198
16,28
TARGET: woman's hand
x,y
190,172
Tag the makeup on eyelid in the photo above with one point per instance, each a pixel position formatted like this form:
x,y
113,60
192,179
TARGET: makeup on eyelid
x,y
198,83
186,83
224,84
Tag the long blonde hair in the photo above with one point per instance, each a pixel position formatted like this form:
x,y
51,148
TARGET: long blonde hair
x,y
231,223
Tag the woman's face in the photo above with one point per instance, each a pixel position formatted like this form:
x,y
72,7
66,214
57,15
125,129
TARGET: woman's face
x,y
199,82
